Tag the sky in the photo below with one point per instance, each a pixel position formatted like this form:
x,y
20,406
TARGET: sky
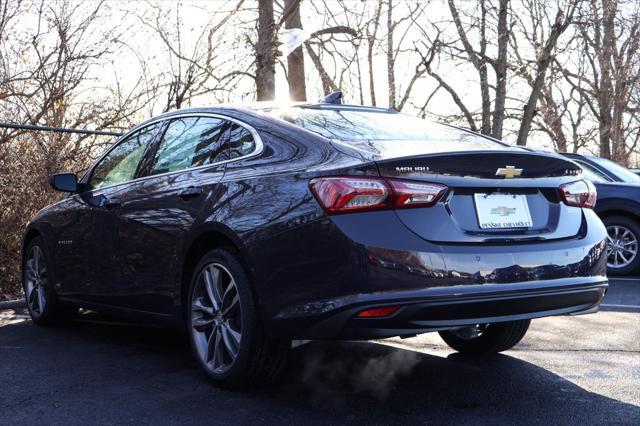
x,y
136,40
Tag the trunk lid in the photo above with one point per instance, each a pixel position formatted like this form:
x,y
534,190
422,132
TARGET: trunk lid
x,y
494,196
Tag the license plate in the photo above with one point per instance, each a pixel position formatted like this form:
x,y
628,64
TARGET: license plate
x,y
500,211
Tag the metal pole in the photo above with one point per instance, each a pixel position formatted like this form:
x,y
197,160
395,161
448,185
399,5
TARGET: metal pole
x,y
57,129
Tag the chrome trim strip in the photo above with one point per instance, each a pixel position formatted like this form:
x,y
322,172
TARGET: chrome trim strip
x,y
256,137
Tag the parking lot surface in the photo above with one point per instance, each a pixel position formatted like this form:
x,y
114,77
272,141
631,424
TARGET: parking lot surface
x,y
571,370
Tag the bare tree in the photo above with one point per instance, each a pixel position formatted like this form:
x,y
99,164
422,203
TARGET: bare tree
x,y
47,68
393,48
193,70
475,29
543,59
605,76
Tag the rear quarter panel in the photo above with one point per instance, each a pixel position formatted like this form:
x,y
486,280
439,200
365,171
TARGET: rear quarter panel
x,y
266,207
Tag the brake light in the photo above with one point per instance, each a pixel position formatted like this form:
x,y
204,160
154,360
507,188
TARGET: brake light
x,y
581,193
349,194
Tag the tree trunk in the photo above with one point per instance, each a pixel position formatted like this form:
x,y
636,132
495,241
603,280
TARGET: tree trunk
x,y
478,61
544,58
328,85
265,61
552,119
391,74
295,60
484,79
605,96
371,39
501,70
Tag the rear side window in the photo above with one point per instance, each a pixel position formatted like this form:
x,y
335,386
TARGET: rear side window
x,y
241,142
190,142
121,163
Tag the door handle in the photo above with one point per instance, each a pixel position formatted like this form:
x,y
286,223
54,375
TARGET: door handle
x,y
111,203
191,192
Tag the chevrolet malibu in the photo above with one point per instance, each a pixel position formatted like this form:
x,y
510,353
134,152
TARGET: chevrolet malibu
x,y
250,227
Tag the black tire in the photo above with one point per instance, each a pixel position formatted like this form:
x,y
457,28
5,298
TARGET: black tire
x,y
54,311
494,338
259,359
632,226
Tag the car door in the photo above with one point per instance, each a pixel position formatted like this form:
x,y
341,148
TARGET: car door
x,y
72,223
111,179
156,215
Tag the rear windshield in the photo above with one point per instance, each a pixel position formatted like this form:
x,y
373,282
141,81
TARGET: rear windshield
x,y
354,126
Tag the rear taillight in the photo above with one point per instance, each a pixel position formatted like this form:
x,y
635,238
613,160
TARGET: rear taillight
x,y
349,194
415,194
581,193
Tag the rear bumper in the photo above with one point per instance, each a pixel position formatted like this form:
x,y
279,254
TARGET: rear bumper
x,y
362,261
443,308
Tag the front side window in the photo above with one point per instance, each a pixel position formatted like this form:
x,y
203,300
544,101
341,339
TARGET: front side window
x,y
190,142
120,164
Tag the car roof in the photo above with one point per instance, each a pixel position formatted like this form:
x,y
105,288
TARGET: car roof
x,y
259,106
272,105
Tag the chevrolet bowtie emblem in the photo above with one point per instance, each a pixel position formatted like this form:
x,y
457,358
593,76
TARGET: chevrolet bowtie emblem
x,y
509,172
503,211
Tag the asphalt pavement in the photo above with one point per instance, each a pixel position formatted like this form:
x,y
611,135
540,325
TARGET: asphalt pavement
x,y
567,370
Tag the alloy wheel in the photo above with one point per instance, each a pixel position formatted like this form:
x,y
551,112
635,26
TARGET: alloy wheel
x,y
216,318
622,246
36,280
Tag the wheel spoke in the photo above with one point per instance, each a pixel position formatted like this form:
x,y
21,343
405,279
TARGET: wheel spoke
x,y
231,300
235,335
201,323
217,283
231,340
31,269
32,297
232,306
199,306
211,344
41,298
209,287
36,300
624,259
218,356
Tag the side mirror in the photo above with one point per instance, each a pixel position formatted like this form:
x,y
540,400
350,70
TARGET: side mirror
x,y
65,182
